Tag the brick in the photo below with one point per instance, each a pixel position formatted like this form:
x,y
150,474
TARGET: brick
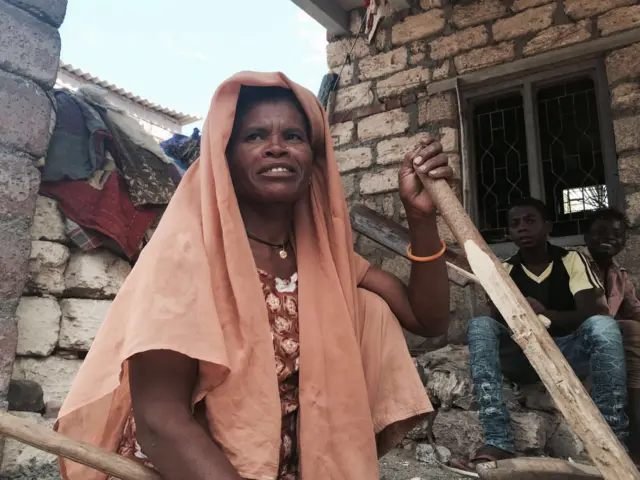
x,y
417,52
393,150
346,75
15,246
337,51
29,109
630,256
19,183
449,139
383,64
48,223
443,71
532,20
51,11
28,47
477,12
54,374
579,9
485,57
620,19
623,63
379,182
353,159
627,132
558,36
349,185
403,81
47,263
383,203
629,169
38,325
519,5
459,42
81,320
342,133
438,108
370,110
633,208
353,97
427,4
626,95
98,274
383,125
418,26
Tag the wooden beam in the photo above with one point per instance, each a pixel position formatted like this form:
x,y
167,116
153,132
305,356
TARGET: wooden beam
x,y
327,13
537,468
530,334
580,51
395,237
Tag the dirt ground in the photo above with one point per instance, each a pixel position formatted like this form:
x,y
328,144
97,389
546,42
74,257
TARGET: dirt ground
x,y
402,465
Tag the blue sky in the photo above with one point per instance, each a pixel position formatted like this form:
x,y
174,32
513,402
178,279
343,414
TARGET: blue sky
x,y
177,53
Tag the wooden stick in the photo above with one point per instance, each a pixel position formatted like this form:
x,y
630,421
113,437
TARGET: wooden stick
x,y
395,237
537,468
528,332
47,440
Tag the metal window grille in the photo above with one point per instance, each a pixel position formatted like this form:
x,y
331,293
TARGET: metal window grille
x,y
548,136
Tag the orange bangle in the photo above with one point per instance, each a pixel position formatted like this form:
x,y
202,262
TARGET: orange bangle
x,y
413,258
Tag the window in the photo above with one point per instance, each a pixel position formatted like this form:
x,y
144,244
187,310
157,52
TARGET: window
x,y
547,136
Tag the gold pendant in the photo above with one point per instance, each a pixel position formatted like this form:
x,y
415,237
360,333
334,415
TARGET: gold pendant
x,y
283,254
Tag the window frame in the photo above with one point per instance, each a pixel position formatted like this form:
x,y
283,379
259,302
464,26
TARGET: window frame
x,y
528,85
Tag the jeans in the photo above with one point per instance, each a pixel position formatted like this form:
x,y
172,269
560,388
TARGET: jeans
x,y
595,348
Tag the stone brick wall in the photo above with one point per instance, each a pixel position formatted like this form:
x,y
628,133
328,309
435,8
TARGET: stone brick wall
x,y
66,296
29,56
381,106
623,72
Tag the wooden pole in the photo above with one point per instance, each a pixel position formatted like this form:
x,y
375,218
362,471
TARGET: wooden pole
x,y
529,333
395,237
47,440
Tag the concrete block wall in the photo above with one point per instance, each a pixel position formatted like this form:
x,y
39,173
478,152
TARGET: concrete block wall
x,y
29,56
381,107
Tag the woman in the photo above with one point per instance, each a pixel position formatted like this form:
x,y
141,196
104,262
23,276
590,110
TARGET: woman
x,y
253,259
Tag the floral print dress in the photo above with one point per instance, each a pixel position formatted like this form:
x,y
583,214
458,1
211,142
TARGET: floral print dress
x,y
281,298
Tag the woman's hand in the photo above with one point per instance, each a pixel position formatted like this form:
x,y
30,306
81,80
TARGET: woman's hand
x,y
427,158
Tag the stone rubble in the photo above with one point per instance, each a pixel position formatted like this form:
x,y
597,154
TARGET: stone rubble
x,y
539,429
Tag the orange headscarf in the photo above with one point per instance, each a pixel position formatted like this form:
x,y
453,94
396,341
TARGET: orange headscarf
x,y
195,290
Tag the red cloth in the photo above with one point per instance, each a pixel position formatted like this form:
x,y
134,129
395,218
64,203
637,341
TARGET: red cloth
x,y
108,211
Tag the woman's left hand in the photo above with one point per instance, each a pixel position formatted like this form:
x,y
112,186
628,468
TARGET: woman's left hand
x,y
427,158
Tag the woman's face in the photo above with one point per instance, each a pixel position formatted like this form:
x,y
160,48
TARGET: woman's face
x,y
270,157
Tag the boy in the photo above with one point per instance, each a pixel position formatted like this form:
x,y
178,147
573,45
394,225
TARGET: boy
x,y
605,239
560,285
